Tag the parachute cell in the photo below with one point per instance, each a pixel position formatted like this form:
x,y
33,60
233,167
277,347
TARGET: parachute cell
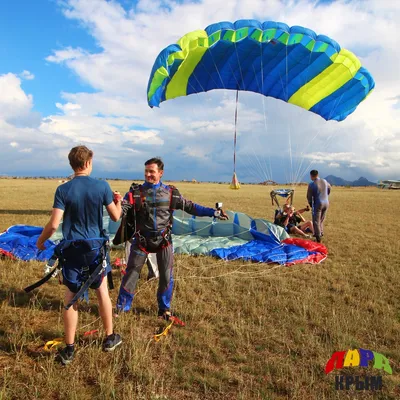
x,y
291,64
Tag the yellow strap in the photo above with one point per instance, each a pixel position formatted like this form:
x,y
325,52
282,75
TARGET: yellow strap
x,y
163,333
53,343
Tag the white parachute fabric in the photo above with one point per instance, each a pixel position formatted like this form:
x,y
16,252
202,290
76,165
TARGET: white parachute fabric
x,y
200,235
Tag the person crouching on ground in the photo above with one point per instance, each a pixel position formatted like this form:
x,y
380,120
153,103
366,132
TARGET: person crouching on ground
x,y
80,203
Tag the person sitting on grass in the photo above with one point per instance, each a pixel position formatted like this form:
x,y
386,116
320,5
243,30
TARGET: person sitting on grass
x,y
293,222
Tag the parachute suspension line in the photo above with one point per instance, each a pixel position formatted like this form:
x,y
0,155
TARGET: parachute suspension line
x,y
236,106
268,169
216,68
285,93
234,139
291,177
263,101
235,183
240,67
325,146
238,87
298,175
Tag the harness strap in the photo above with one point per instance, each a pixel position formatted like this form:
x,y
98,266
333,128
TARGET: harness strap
x,y
99,270
173,198
110,281
58,256
50,263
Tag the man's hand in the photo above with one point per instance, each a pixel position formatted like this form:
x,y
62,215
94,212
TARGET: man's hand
x,y
223,216
40,245
117,197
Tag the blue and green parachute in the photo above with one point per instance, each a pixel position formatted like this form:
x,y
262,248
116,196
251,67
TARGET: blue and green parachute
x,y
291,64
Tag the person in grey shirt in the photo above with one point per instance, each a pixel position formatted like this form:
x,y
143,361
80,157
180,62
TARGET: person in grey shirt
x,y
317,197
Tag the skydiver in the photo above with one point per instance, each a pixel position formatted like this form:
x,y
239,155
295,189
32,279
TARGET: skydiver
x,y
148,210
80,203
291,221
317,197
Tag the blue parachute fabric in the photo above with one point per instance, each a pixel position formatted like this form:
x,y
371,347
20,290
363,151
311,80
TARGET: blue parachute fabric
x,y
241,237
293,64
264,251
283,192
20,241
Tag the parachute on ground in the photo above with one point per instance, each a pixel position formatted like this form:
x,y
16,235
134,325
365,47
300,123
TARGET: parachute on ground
x,y
241,237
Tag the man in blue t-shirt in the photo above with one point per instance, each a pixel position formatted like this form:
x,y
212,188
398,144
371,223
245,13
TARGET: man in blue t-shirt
x,y
79,203
317,197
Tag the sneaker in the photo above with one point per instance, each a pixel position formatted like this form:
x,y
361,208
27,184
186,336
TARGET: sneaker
x,y
111,342
66,355
165,315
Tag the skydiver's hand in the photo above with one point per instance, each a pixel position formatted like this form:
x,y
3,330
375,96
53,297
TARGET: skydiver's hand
x,y
117,197
40,245
223,215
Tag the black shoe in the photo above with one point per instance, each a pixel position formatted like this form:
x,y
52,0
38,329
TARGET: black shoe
x,y
318,239
66,355
164,314
111,342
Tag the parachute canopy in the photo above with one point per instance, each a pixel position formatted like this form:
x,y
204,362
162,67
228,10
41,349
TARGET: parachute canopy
x,y
291,64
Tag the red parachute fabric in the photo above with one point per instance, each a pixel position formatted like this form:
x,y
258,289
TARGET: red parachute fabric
x,y
321,252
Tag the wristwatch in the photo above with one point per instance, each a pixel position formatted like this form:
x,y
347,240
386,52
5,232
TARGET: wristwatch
x,y
217,213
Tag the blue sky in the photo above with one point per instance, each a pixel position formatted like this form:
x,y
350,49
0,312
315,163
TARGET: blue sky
x,y
75,72
29,31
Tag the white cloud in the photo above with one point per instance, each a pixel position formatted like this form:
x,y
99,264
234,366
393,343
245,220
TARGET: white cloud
x,y
27,75
67,55
117,122
14,102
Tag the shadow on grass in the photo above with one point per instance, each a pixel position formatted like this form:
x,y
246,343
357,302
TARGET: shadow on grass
x,y
25,212
43,301
18,298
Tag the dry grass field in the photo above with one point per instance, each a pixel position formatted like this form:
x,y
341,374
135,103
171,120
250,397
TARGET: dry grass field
x,y
253,331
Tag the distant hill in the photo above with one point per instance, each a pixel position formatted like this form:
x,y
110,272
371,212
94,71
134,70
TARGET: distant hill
x,y
336,181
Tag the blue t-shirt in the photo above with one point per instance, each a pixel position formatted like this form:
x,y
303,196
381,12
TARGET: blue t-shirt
x,y
82,200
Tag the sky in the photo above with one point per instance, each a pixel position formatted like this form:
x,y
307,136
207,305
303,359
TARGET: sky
x,y
75,72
